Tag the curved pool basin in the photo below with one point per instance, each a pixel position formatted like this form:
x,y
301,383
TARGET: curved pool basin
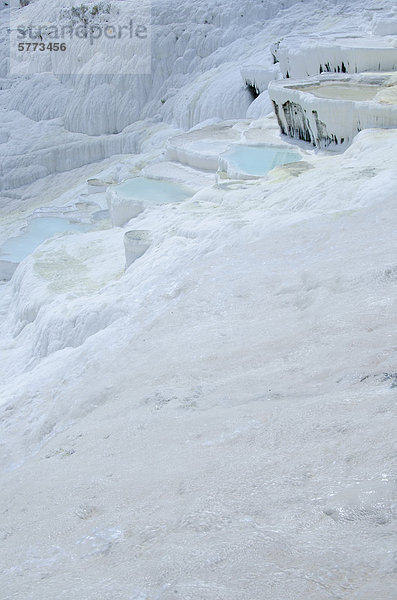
x,y
128,199
37,231
152,190
246,161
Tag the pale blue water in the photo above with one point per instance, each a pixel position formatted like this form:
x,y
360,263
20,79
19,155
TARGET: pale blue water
x,y
259,160
38,230
153,190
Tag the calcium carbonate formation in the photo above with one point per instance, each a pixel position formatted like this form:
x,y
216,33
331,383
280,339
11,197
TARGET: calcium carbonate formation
x,y
197,371
298,58
328,111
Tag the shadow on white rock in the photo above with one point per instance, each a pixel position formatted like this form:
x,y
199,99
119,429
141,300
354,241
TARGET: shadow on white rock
x,y
136,243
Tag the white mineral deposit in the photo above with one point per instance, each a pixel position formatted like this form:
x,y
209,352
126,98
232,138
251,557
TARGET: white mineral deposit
x,y
198,278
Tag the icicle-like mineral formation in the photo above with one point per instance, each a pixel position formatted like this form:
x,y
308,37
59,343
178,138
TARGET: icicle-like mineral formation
x,y
299,58
328,111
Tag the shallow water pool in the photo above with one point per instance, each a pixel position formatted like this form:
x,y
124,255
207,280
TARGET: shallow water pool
x,y
152,190
38,230
257,160
344,91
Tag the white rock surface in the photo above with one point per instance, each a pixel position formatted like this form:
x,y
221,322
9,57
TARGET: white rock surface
x,y
122,208
216,422
312,56
7,269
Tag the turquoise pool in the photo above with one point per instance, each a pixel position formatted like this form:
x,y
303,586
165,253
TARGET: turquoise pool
x,y
152,190
38,230
257,160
